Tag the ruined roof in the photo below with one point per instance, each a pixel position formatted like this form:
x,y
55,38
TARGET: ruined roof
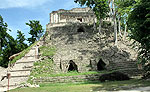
x,y
74,10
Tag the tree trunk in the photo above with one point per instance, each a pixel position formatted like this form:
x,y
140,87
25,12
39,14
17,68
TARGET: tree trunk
x,y
110,13
115,22
115,31
125,30
119,27
100,25
94,25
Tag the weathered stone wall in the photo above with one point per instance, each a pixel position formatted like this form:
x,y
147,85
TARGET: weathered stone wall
x,y
65,79
86,48
84,15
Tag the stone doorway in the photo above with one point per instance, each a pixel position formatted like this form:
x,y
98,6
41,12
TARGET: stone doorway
x,y
72,66
101,65
80,29
79,19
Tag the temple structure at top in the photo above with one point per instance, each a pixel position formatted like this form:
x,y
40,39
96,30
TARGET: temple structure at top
x,y
82,15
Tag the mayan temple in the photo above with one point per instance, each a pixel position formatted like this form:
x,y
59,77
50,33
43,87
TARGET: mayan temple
x,y
79,47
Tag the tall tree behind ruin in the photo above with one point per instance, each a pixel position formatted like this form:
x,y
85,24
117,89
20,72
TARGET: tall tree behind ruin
x,y
36,31
100,8
8,45
139,25
21,45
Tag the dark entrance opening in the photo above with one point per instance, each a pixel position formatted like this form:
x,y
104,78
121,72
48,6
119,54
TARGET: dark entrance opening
x,y
80,19
80,29
72,66
101,65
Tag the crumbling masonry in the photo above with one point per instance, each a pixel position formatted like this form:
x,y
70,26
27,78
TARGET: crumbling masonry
x,y
81,48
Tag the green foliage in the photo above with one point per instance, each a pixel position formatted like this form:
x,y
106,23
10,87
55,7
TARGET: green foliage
x,y
100,7
139,25
3,33
42,67
45,66
47,51
36,31
124,7
20,41
7,44
46,33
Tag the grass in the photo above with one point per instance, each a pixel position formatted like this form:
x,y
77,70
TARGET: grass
x,y
41,67
22,54
45,66
36,74
86,86
72,73
47,51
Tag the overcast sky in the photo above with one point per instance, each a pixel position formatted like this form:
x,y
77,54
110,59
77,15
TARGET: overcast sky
x,y
18,12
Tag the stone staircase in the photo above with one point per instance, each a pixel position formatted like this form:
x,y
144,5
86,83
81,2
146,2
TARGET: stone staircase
x,y
129,68
20,71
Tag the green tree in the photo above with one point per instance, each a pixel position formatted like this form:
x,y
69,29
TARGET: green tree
x,y
8,46
3,40
139,25
20,41
36,31
100,8
103,8
124,7
8,50
3,33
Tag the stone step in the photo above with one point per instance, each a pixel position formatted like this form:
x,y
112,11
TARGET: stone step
x,y
122,63
131,65
20,73
132,72
20,70
65,79
26,61
29,57
129,69
33,48
32,52
5,88
123,68
15,80
21,66
27,67
117,65
20,76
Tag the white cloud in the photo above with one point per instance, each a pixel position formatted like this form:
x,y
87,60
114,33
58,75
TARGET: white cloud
x,y
22,3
